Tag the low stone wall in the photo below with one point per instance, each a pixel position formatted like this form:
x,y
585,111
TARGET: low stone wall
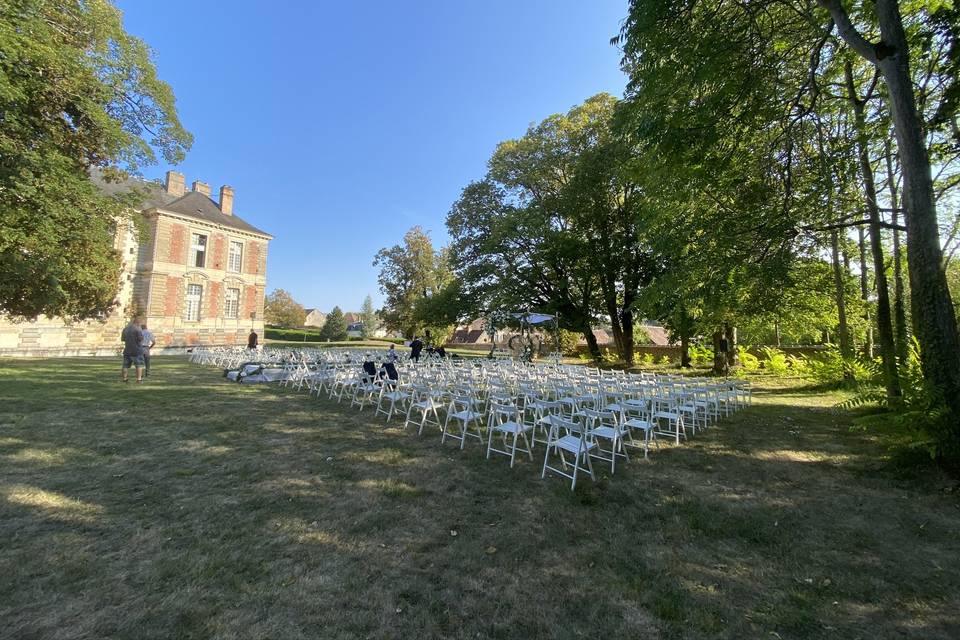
x,y
64,352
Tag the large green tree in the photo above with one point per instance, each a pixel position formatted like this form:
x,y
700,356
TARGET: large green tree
x,y
368,316
76,93
409,272
759,78
335,327
558,225
282,310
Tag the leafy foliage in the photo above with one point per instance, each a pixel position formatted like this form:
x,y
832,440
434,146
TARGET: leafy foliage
x,y
831,368
748,361
774,360
701,355
76,92
282,310
335,327
921,414
369,318
569,341
410,274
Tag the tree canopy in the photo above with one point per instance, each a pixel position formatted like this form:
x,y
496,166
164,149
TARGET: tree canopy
x,y
410,273
335,327
76,93
282,310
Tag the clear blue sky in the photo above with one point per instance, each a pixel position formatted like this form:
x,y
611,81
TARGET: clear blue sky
x,y
341,125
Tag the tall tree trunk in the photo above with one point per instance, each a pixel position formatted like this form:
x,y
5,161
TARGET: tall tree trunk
x,y
721,365
616,329
934,322
591,339
730,333
899,306
865,290
884,319
626,325
686,331
839,292
776,331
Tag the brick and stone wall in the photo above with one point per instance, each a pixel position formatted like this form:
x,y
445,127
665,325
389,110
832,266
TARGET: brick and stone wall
x,y
154,283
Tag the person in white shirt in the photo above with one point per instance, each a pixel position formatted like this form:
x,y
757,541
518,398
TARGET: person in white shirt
x,y
148,342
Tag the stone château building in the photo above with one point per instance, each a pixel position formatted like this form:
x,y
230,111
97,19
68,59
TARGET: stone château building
x,y
194,269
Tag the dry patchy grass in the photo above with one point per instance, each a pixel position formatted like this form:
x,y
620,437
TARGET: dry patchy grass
x,y
191,507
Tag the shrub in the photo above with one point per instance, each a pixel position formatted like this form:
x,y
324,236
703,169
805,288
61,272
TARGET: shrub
x,y
609,357
920,415
700,355
748,361
664,359
569,341
830,368
775,361
647,359
276,333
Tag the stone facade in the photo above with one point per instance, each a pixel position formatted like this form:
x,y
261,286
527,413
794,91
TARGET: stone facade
x,y
183,304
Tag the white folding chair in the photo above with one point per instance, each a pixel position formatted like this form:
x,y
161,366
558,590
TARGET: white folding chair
x,y
364,391
394,393
424,401
464,412
573,438
504,421
607,425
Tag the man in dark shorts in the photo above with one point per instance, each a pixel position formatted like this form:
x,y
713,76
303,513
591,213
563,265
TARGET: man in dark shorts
x,y
132,336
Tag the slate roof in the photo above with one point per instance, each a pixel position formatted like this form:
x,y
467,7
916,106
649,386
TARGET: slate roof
x,y
192,205
196,205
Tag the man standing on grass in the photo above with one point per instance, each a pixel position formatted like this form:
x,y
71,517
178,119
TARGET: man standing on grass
x,y
416,346
132,337
252,340
148,342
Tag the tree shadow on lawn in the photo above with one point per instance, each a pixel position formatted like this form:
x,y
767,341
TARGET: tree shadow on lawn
x,y
238,525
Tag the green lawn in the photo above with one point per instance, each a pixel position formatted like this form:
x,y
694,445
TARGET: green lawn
x,y
191,507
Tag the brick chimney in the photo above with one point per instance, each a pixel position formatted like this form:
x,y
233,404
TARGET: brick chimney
x,y
175,184
226,200
201,187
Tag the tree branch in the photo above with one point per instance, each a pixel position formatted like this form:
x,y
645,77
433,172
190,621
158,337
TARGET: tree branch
x,y
849,32
855,223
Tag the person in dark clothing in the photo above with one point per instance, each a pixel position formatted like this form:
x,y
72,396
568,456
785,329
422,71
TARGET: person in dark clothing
x,y
369,368
416,346
132,336
389,369
252,340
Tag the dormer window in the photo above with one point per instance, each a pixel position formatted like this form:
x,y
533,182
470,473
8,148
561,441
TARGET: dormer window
x,y
198,250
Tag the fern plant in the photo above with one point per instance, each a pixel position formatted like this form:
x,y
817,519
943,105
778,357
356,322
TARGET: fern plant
x,y
920,413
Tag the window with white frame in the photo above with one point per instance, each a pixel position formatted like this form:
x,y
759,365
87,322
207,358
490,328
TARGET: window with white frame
x,y
198,250
235,258
194,294
231,307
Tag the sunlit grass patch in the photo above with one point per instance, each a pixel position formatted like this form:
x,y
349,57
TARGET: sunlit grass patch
x,y
195,507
